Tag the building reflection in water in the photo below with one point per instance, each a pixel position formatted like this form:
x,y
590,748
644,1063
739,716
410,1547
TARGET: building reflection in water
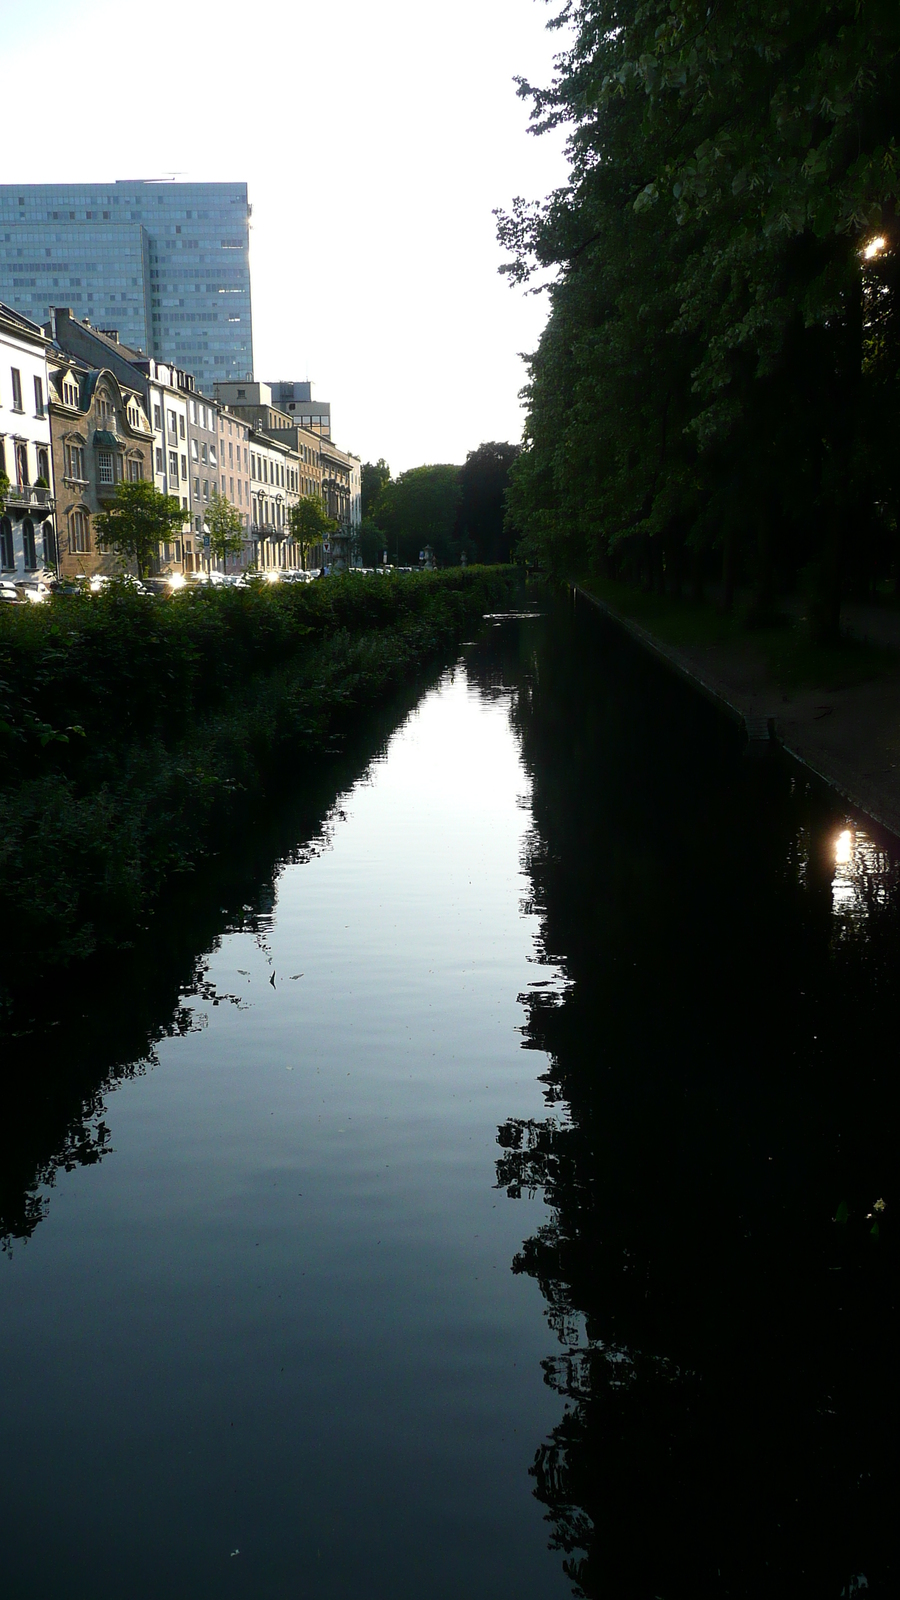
x,y
721,1123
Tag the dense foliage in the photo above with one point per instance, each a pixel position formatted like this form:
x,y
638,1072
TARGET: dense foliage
x,y
483,529
137,522
716,391
226,527
309,523
457,510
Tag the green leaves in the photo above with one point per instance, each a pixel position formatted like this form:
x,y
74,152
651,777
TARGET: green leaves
x,y
139,520
226,528
725,162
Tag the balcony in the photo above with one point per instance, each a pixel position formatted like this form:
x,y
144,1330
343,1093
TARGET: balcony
x,y
28,498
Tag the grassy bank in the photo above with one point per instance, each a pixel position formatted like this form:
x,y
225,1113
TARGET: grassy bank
x,y
136,734
790,659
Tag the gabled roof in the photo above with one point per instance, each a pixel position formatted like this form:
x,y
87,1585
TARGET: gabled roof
x,y
14,322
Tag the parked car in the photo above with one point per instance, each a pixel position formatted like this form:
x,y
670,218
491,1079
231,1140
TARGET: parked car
x,y
98,581
34,590
9,594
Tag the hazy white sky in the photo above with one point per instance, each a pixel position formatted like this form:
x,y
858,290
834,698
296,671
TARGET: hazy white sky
x,y
376,137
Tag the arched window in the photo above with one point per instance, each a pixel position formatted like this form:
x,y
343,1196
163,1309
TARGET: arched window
x,y
7,553
75,462
44,466
79,534
49,539
22,465
28,546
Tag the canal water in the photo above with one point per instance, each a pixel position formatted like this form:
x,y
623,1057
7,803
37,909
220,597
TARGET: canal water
x,y
480,1183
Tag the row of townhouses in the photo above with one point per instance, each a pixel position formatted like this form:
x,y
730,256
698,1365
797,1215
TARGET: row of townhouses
x,y
80,412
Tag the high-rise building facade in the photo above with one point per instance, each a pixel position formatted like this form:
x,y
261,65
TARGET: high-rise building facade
x,y
166,265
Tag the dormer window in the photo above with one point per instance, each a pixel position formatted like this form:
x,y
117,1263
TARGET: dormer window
x,y
70,393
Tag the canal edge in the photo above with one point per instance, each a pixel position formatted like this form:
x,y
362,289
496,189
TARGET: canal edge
x,y
759,730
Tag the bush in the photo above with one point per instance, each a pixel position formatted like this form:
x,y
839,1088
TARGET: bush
x,y
135,730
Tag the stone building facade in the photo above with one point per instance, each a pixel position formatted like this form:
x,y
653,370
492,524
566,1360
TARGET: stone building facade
x,y
341,485
101,436
274,489
162,389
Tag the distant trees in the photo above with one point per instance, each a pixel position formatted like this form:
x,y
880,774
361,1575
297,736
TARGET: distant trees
x,y
375,474
482,526
717,386
418,508
138,522
452,508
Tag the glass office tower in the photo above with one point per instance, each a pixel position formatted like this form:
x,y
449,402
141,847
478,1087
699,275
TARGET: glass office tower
x,y
164,264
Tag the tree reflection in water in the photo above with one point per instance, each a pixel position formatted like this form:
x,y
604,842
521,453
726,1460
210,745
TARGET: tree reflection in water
x,y
72,1041
721,1087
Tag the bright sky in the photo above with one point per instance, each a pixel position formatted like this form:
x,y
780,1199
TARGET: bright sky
x,y
376,137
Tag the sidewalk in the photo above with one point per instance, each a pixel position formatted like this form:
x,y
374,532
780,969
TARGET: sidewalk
x,y
848,736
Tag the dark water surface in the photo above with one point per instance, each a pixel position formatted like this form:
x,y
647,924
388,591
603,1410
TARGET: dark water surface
x,y
320,1284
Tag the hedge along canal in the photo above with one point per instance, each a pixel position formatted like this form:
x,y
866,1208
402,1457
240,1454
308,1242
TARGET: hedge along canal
x,y
136,732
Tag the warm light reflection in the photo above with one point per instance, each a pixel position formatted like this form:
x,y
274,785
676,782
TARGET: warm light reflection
x,y
176,581
862,874
874,248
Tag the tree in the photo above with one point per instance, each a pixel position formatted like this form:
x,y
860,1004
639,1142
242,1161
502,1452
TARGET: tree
x,y
309,523
138,522
226,529
717,378
484,481
370,542
374,477
419,508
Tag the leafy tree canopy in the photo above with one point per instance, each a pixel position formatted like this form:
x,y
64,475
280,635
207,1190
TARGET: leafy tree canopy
x,y
482,526
719,368
309,523
226,531
138,521
374,477
420,507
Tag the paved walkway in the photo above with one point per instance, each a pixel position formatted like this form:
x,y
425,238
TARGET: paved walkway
x,y
849,737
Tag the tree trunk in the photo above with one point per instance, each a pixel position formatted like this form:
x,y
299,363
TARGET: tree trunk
x,y
697,576
763,595
729,563
825,612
